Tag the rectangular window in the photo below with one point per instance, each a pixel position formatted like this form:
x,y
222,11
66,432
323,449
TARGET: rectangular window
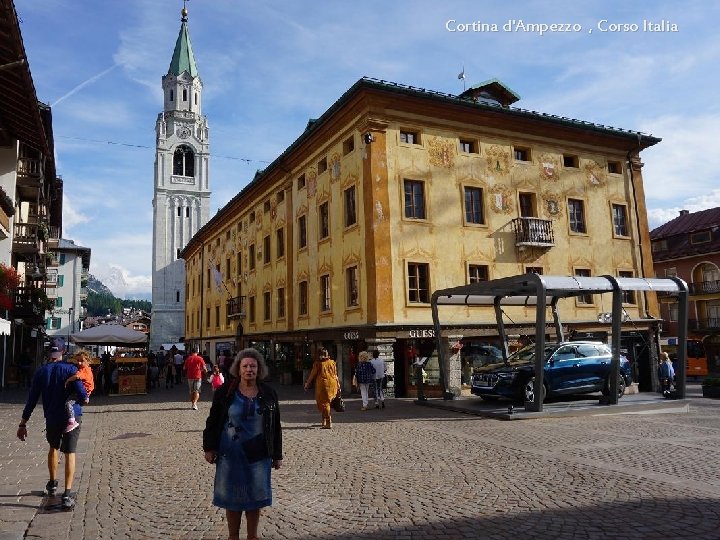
x,y
208,278
614,167
628,296
251,309
468,146
570,161
697,238
251,257
266,207
266,249
187,211
348,145
252,217
58,301
280,196
324,220
414,199
474,205
301,182
659,245
350,211
325,293
179,212
477,273
351,284
673,312
303,301
217,316
409,137
576,215
62,258
280,242
671,272
53,323
239,264
418,283
207,317
228,276
60,280
302,232
267,306
619,212
527,204
521,154
281,303
534,270
585,298
322,165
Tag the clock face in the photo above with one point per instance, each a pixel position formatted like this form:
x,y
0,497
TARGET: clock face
x,y
183,132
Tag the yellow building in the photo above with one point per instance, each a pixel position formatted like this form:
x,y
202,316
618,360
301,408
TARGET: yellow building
x,y
395,192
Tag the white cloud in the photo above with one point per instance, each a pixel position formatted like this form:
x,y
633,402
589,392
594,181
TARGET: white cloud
x,y
660,216
71,215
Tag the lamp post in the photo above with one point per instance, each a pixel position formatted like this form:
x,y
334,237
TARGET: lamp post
x,y
71,325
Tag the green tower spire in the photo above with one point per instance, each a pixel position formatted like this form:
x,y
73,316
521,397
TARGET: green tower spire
x,y
183,58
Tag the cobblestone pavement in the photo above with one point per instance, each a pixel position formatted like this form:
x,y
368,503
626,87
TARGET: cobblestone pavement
x,y
406,472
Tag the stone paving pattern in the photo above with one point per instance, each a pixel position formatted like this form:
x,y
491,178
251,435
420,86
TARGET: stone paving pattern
x,y
406,472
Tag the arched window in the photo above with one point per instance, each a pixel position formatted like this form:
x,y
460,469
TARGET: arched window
x,y
184,161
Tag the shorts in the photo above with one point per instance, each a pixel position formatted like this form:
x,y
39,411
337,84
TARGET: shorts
x,y
65,442
194,385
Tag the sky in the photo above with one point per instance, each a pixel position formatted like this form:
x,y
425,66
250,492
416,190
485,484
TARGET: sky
x,y
267,67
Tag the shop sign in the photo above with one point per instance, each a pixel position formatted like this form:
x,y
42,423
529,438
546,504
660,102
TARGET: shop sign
x,y
351,336
427,333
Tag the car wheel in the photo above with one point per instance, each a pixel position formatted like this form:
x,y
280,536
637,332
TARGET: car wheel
x,y
621,386
529,390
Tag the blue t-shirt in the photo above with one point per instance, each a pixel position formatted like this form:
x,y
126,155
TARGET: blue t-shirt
x,y
365,373
49,381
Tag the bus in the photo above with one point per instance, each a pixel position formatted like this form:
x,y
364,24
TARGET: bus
x,y
697,365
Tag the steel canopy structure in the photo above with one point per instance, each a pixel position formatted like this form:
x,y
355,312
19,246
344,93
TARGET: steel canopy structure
x,y
546,291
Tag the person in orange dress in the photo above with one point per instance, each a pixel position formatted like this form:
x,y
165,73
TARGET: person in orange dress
x,y
84,374
324,374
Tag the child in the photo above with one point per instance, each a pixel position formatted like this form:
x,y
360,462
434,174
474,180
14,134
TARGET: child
x,y
216,379
85,375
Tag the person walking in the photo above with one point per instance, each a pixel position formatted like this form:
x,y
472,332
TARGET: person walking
x,y
216,379
666,373
324,375
379,365
243,438
49,382
178,360
364,376
195,370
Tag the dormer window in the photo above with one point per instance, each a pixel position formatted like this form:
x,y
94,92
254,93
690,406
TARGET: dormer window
x,y
701,237
184,161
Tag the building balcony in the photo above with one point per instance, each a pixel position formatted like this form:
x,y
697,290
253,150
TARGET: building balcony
x,y
29,238
235,307
83,294
30,304
711,324
30,177
701,288
535,232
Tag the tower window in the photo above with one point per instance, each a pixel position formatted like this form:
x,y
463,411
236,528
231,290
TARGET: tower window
x,y
177,255
172,95
184,94
195,98
177,296
184,161
179,212
187,211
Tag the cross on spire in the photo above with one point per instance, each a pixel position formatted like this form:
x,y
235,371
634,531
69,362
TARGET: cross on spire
x,y
184,11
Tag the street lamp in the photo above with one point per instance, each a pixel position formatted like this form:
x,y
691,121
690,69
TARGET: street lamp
x,y
71,326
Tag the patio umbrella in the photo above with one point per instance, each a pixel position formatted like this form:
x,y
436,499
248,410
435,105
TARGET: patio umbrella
x,y
109,334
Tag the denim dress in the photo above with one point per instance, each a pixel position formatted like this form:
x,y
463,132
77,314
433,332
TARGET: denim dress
x,y
242,474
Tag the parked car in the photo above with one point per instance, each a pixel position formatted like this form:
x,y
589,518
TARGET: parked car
x,y
571,367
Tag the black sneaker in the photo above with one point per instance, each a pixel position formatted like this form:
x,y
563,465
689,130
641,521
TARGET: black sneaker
x,y
68,501
51,488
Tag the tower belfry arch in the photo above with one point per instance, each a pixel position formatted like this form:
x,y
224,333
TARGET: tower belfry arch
x,y
181,200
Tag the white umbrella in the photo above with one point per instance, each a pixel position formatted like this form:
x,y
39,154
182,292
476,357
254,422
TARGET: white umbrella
x,y
109,334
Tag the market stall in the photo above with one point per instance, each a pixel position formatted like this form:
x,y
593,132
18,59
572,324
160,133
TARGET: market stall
x,y
131,370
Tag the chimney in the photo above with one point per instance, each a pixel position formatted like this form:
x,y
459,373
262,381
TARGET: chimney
x,y
684,212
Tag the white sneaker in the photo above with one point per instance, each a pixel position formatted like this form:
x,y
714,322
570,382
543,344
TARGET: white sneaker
x,y
194,407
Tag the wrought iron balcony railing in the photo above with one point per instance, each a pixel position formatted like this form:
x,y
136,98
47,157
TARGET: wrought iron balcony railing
x,y
711,323
531,231
235,307
704,287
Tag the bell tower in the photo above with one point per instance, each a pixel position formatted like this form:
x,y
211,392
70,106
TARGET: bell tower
x,y
181,201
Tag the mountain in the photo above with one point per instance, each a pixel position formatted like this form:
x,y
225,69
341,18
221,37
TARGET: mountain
x,y
97,286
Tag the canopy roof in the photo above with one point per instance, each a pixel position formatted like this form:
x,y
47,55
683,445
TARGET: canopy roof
x,y
109,334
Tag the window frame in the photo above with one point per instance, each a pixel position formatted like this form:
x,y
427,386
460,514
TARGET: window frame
x,y
408,182
473,268
324,220
350,207
266,249
302,232
267,306
303,307
280,303
279,242
468,146
625,218
627,296
584,300
325,293
467,214
251,257
352,278
322,165
572,221
348,145
413,274
522,154
411,136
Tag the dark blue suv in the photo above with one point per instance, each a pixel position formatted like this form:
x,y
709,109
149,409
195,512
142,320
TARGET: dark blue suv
x,y
571,367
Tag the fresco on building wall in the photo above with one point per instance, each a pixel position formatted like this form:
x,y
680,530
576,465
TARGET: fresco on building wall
x,y
441,153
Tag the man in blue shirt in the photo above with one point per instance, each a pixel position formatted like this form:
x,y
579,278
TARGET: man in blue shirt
x,y
49,381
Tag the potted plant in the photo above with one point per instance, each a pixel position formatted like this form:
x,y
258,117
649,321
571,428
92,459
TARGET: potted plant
x,y
9,281
711,387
